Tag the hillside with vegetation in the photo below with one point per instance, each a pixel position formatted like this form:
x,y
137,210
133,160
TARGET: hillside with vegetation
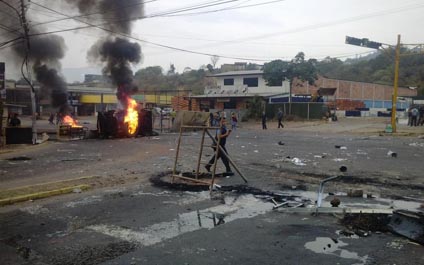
x,y
378,68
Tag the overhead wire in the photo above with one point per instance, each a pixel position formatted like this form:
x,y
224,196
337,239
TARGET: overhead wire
x,y
90,14
186,50
223,9
158,14
309,27
141,40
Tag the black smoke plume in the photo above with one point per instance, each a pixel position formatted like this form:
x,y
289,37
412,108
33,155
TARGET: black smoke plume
x,y
119,13
116,53
45,53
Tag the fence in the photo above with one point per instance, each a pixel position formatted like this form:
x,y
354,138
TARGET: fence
x,y
304,110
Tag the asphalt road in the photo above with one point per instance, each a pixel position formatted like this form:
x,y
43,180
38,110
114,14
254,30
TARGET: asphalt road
x,y
124,219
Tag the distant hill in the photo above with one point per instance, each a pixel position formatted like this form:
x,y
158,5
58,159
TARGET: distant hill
x,y
378,68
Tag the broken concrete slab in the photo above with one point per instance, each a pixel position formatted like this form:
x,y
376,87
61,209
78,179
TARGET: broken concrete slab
x,y
408,224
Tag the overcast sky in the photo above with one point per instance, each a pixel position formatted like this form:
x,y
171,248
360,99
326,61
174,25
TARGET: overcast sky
x,y
265,32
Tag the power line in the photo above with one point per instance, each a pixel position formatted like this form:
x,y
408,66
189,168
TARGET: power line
x,y
224,9
163,13
141,40
91,14
338,22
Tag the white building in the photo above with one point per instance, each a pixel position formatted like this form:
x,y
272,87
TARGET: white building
x,y
248,82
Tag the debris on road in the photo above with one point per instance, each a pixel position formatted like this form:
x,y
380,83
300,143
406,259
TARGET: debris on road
x,y
363,224
392,154
343,169
355,193
297,162
417,144
335,202
408,224
281,143
341,147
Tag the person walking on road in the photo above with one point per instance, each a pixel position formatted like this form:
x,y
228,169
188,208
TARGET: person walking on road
x,y
51,118
414,116
280,115
223,135
264,121
233,121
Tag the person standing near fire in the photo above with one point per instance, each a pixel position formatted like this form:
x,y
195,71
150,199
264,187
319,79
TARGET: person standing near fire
x,y
223,135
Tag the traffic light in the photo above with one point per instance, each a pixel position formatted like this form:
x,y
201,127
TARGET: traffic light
x,y
353,41
363,42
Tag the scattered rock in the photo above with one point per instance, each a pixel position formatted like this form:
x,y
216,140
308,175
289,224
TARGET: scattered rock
x,y
343,169
347,233
335,202
392,154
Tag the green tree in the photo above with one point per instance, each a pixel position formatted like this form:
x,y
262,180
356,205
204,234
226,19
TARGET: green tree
x,y
255,107
275,72
150,78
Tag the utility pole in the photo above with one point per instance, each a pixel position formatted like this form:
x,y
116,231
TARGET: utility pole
x,y
395,85
376,45
33,105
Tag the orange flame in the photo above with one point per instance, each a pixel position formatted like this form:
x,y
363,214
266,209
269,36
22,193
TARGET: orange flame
x,y
131,118
70,121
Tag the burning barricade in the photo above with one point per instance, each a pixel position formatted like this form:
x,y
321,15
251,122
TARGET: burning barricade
x,y
127,122
71,129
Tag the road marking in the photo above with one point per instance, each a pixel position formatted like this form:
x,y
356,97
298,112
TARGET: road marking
x,y
245,206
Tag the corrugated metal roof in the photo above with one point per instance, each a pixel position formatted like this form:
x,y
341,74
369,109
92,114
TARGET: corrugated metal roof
x,y
243,95
235,73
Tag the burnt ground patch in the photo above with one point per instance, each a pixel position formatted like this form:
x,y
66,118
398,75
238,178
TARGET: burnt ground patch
x,y
163,180
363,223
18,158
94,254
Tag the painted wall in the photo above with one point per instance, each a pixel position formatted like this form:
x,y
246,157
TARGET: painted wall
x,y
262,87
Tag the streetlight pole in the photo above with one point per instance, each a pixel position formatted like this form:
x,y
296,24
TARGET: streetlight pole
x,y
395,85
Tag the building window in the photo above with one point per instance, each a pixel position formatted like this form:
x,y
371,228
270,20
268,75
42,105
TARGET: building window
x,y
251,81
229,82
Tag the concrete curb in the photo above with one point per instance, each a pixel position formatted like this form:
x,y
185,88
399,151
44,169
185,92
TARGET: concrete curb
x,y
51,183
43,194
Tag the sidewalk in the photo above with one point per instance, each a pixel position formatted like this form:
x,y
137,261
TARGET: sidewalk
x,y
348,125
